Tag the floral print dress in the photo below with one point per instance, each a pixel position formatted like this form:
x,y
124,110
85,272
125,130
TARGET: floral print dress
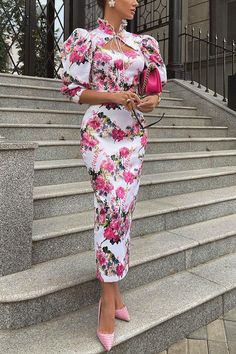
x,y
112,142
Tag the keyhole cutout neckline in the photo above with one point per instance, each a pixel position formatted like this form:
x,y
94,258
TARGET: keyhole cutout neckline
x,y
125,48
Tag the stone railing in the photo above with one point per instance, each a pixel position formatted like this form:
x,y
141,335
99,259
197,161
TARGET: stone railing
x,y
16,205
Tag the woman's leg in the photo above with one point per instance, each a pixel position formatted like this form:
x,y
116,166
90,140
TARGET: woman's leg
x,y
118,297
111,300
107,317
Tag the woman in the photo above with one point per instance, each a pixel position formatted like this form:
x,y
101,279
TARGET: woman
x,y
101,67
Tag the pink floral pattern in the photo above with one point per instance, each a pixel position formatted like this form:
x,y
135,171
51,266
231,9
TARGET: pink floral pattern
x,y
112,143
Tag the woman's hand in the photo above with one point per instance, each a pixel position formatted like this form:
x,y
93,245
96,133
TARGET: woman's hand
x,y
127,98
148,103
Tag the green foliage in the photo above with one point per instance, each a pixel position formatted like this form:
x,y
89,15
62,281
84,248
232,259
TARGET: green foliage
x,y
13,31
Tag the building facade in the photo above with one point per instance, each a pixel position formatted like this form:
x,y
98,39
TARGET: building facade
x,y
32,45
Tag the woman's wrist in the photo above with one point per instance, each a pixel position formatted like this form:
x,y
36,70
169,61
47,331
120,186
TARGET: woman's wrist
x,y
158,98
108,97
157,95
112,97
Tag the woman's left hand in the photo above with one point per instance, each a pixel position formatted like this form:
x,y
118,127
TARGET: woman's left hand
x,y
148,103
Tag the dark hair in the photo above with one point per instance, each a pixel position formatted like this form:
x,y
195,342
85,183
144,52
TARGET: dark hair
x,y
101,4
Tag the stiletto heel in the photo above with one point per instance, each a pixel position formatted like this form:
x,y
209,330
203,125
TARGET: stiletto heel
x,y
122,314
105,338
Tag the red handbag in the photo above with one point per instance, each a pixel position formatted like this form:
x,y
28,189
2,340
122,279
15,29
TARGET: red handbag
x,y
150,84
150,81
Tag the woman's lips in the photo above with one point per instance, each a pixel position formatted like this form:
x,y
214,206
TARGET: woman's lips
x,y
132,11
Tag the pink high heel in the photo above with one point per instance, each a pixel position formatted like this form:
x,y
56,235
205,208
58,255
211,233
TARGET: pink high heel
x,y
122,314
105,338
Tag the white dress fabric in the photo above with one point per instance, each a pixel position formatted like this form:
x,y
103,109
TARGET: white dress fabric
x,y
112,143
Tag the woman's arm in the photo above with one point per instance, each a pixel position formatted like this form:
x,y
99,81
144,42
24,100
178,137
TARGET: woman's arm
x,y
119,97
96,97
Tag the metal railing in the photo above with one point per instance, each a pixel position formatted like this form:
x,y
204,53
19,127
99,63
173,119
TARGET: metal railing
x,y
30,35
219,56
163,44
31,31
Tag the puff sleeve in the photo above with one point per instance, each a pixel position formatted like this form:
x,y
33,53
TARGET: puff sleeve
x,y
151,51
76,58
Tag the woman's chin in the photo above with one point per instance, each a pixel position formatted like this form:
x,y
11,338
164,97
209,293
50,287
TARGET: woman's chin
x,y
129,17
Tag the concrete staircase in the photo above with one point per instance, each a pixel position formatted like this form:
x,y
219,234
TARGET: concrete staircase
x,y
183,239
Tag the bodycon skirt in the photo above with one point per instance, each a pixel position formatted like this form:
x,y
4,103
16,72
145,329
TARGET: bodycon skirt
x,y
113,146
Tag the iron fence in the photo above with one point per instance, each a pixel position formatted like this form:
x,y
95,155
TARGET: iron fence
x,y
30,35
151,15
31,31
208,62
13,18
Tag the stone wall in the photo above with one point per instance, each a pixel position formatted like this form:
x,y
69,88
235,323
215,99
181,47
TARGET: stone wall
x,y
199,15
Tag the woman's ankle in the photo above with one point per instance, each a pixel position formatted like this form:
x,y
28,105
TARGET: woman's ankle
x,y
108,302
107,318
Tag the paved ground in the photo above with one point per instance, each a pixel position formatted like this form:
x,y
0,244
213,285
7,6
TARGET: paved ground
x,y
218,337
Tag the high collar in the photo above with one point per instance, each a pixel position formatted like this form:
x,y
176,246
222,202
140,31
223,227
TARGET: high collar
x,y
106,27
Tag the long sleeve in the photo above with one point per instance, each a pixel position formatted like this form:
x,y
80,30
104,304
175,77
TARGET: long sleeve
x,y
76,58
151,51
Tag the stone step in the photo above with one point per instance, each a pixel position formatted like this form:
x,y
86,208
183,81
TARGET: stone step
x,y
29,80
183,110
163,108
40,131
70,149
62,103
59,236
34,81
74,197
37,91
178,120
63,282
162,313
188,131
74,170
156,145
42,116
168,101
72,132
